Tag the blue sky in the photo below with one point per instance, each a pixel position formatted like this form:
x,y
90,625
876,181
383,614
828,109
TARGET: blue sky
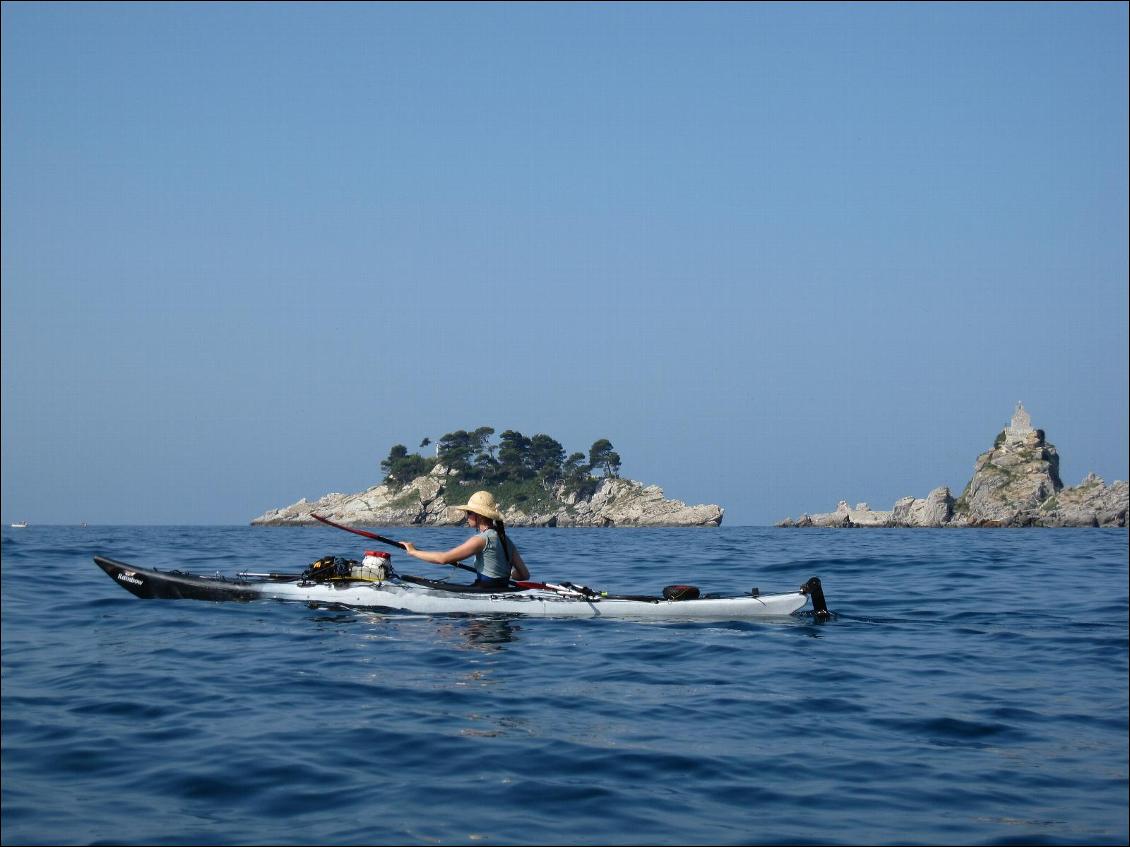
x,y
778,254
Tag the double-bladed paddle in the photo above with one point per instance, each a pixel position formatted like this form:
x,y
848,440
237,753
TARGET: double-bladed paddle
x,y
392,543
380,538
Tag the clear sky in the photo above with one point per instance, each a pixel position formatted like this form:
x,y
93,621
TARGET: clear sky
x,y
778,254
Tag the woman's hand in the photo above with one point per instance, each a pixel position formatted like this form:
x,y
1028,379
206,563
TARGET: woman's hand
x,y
518,569
409,548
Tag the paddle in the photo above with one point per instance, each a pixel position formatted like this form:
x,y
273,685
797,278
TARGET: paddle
x,y
372,535
389,541
381,539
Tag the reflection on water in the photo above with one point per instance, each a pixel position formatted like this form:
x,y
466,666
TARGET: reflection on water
x,y
491,634
487,634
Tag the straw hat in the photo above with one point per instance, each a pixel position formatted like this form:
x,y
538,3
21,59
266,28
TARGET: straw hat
x,y
481,503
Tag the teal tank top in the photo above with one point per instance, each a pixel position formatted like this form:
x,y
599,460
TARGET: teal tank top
x,y
491,561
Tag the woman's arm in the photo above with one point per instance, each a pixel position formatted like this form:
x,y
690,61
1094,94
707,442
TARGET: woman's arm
x,y
468,548
518,569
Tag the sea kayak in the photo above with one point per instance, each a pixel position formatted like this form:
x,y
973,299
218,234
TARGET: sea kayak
x,y
415,594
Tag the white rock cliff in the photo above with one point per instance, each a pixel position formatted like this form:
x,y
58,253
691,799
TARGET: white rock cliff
x,y
615,502
1016,483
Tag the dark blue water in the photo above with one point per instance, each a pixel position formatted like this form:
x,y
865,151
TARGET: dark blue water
x,y
973,689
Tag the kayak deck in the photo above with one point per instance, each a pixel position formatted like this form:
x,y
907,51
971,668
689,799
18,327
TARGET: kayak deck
x,y
417,595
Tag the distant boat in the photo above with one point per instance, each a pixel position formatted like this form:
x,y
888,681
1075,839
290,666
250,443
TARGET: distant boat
x,y
20,525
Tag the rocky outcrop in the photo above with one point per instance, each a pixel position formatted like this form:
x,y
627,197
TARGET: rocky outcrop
x,y
1090,503
624,502
935,510
1016,483
615,502
1011,481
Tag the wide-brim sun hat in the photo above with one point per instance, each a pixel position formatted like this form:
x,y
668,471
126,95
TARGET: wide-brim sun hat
x,y
481,503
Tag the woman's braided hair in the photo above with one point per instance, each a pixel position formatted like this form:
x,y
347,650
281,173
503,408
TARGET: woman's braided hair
x,y
507,544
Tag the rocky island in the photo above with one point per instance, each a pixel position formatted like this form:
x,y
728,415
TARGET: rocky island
x,y
534,481
1015,483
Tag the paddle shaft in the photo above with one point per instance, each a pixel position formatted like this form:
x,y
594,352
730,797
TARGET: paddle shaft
x,y
381,539
389,541
372,535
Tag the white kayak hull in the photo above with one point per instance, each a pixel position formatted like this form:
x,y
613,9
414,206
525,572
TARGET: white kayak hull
x,y
406,595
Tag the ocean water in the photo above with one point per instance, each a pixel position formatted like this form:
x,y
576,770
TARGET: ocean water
x,y
972,689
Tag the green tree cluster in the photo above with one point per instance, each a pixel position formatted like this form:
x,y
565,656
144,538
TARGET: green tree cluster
x,y
514,459
401,467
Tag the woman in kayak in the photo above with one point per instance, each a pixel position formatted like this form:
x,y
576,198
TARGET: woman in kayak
x,y
497,560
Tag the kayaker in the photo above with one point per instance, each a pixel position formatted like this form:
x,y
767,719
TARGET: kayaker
x,y
497,560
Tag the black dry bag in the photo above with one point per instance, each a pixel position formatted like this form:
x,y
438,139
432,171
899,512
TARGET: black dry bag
x,y
680,592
